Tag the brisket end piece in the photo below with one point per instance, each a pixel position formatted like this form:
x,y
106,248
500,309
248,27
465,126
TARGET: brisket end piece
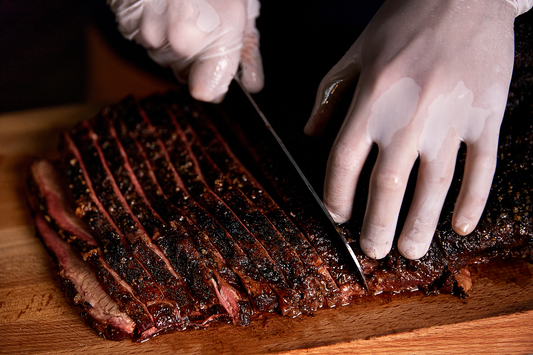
x,y
47,194
102,299
82,287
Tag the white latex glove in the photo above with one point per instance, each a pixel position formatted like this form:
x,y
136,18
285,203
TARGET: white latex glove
x,y
203,41
521,6
430,74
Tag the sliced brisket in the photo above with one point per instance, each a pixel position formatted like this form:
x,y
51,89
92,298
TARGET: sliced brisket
x,y
173,186
189,168
259,292
116,248
212,149
156,225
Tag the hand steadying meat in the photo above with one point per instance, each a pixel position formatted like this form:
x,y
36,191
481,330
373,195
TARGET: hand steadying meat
x,y
203,41
428,75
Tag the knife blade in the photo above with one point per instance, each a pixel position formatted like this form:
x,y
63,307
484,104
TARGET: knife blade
x,y
317,199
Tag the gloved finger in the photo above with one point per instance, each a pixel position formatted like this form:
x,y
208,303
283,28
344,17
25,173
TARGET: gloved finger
x,y
337,82
481,156
209,78
480,165
386,191
433,181
252,77
345,162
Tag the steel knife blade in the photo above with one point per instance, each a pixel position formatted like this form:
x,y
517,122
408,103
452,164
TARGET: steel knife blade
x,y
300,173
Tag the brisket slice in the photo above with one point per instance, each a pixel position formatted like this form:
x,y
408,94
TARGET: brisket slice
x,y
47,194
80,283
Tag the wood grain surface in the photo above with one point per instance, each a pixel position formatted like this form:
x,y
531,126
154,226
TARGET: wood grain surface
x,y
35,318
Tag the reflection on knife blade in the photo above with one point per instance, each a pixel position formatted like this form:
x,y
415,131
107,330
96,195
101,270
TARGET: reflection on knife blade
x,y
307,183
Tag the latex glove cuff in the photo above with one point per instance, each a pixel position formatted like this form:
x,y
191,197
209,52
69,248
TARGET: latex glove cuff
x,y
521,6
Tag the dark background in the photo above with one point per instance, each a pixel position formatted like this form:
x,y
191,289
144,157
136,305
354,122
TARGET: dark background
x,y
45,55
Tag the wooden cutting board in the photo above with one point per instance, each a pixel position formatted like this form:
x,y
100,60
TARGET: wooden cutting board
x,y
35,318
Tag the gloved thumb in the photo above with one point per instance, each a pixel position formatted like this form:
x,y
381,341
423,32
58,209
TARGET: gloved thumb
x,y
252,76
341,79
209,78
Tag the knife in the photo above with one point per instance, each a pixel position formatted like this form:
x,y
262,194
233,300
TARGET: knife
x,y
307,183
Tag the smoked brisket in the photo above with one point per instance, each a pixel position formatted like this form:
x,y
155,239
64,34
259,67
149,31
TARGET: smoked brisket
x,y
158,222
157,226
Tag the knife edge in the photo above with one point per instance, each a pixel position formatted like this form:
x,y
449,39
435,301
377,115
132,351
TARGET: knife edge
x,y
307,183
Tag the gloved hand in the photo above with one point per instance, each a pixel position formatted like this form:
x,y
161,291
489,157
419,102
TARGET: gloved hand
x,y
428,75
203,41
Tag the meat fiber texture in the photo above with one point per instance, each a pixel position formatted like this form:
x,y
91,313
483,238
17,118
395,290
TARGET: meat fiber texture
x,y
156,225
